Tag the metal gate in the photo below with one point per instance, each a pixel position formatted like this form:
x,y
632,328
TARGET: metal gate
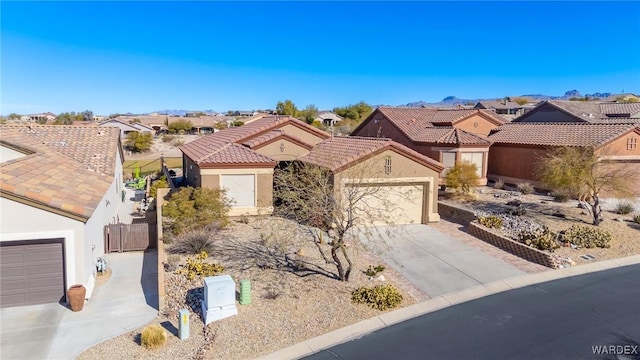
x,y
127,237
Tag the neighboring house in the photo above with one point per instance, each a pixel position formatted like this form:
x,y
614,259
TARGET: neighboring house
x,y
328,118
60,185
447,136
406,181
245,113
517,147
126,128
506,108
242,159
592,112
155,121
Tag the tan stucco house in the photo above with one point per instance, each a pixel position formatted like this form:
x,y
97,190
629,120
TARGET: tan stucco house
x,y
405,181
59,186
445,135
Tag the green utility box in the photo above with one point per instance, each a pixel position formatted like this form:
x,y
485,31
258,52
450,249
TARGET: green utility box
x,y
245,292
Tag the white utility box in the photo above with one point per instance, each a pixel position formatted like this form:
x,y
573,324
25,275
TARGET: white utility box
x,y
219,298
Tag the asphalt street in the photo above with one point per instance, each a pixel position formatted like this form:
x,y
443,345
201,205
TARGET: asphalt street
x,y
589,316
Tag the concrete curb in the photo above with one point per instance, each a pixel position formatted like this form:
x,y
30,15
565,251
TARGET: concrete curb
x,y
362,328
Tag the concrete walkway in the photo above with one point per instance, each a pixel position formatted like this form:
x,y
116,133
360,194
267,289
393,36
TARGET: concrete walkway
x,y
365,327
52,331
434,262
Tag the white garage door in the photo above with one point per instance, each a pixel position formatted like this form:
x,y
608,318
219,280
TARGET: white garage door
x,y
241,189
392,204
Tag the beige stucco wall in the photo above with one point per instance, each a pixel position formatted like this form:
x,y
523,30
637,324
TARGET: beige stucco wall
x,y
305,136
476,125
191,172
618,147
282,150
403,170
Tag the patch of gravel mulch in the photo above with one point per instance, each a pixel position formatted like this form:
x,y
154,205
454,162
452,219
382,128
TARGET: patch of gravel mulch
x,y
557,216
294,296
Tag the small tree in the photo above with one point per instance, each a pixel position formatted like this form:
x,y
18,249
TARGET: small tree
x,y
306,193
180,126
462,177
137,141
194,208
581,172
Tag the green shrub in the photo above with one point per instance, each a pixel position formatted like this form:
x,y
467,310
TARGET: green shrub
x,y
636,219
526,188
587,237
381,297
191,208
158,184
373,271
196,266
540,238
491,221
499,184
462,176
516,210
153,337
192,242
624,208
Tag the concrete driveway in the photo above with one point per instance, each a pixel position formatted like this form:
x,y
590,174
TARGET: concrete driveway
x,y
127,301
434,262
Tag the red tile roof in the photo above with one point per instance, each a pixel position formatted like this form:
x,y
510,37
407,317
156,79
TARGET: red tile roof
x,y
559,134
208,149
341,151
66,168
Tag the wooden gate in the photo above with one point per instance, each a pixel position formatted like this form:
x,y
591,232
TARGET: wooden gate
x,y
127,237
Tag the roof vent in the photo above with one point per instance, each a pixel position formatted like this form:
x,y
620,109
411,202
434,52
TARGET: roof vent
x,y
413,120
62,143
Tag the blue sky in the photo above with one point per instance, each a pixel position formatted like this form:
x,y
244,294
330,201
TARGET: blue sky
x,y
138,57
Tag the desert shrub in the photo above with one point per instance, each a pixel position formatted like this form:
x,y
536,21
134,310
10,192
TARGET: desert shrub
x,y
167,138
153,337
193,242
636,219
381,297
561,196
624,208
462,177
491,221
516,211
192,208
540,238
587,236
499,184
244,219
196,266
158,184
526,188
172,262
177,142
373,271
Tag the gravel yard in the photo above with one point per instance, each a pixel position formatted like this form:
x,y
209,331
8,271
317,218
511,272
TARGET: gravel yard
x,y
294,297
542,209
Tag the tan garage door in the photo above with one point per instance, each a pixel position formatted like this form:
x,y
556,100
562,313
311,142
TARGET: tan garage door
x,y
393,204
31,272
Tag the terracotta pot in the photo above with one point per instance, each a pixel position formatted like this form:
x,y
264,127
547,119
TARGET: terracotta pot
x,y
76,294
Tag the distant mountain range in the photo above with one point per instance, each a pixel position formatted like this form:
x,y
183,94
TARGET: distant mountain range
x,y
452,100
183,112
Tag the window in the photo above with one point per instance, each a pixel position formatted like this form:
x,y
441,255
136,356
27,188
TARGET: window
x,y
474,158
448,160
387,165
475,124
632,143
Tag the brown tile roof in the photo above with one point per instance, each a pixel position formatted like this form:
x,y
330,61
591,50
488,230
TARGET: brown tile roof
x,y
559,134
418,124
272,135
620,109
55,172
201,149
341,151
95,147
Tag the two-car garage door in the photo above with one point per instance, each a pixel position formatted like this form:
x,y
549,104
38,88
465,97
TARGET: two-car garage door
x,y
390,204
31,272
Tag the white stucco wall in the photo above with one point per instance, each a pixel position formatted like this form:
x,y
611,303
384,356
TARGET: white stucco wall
x,y
23,222
7,154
